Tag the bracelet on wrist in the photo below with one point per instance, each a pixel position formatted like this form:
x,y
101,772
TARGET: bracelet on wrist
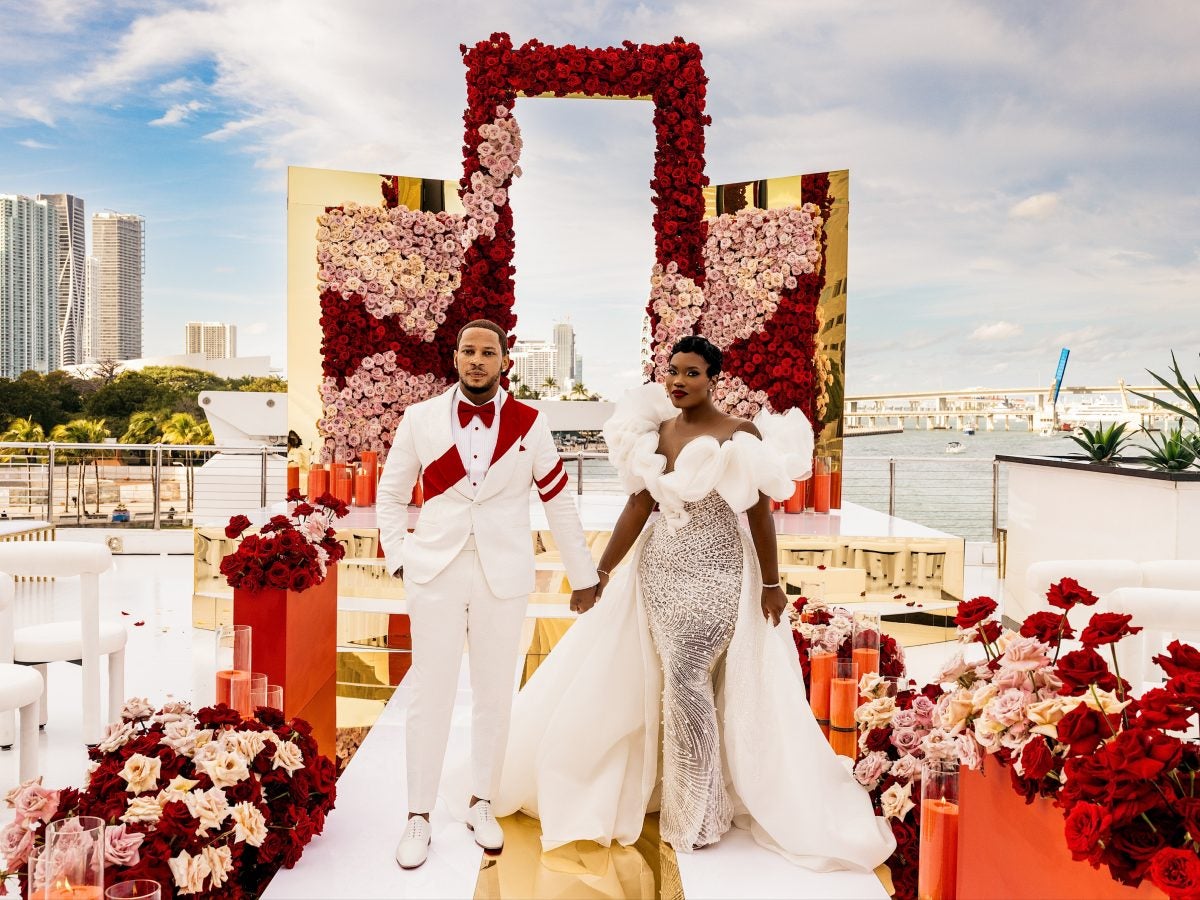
x,y
775,585
602,572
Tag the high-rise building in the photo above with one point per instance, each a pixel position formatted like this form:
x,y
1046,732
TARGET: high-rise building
x,y
533,362
564,346
28,294
578,373
70,277
119,243
216,340
91,313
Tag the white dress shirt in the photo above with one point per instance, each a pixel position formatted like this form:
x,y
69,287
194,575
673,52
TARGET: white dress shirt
x,y
476,442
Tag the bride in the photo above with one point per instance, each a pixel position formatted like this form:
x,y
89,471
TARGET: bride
x,y
686,635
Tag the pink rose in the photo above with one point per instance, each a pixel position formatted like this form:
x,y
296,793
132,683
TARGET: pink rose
x,y
904,718
1024,654
906,740
871,768
36,802
121,846
15,844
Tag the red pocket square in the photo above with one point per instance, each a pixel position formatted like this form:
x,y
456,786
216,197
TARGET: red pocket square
x,y
522,449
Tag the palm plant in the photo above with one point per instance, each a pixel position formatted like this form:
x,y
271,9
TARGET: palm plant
x,y
183,429
579,391
145,427
1173,452
549,384
1105,443
1188,394
23,431
81,431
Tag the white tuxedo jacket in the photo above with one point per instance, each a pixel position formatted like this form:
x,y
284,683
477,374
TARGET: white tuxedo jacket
x,y
498,514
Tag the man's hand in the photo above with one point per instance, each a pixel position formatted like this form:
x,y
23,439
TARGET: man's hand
x,y
583,599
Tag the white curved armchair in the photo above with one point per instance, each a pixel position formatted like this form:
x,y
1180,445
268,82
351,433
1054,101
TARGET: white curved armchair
x,y
21,688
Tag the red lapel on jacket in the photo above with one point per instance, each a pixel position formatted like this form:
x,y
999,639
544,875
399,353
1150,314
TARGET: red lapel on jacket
x,y
516,418
443,473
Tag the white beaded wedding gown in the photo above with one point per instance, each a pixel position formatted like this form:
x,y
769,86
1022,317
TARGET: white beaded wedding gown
x,y
679,638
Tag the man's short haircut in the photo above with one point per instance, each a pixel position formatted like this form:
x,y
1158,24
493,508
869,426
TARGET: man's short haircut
x,y
490,326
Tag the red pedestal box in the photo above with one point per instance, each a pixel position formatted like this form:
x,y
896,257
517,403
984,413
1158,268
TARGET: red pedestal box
x,y
295,644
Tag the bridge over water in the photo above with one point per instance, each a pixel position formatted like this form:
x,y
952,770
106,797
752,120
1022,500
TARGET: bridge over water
x,y
992,408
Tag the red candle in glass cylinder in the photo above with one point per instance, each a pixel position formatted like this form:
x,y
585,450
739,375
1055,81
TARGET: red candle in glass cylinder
x,y
821,485
938,873
362,489
293,478
835,489
318,482
343,487
795,503
233,689
843,701
867,660
821,664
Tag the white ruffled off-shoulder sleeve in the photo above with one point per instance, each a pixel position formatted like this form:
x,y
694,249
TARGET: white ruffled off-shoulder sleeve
x,y
738,469
631,434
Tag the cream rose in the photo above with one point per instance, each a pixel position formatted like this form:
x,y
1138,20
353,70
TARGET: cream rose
x,y
143,809
220,861
226,769
896,802
189,872
249,824
1045,714
141,773
210,807
287,756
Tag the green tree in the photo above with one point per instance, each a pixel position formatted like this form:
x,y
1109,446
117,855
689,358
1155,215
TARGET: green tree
x,y
24,431
578,391
81,431
117,400
48,400
550,384
272,383
144,427
183,429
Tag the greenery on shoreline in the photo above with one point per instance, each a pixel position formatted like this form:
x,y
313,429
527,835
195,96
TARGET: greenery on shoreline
x,y
127,401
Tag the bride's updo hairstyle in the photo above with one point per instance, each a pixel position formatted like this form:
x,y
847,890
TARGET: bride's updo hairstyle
x,y
701,346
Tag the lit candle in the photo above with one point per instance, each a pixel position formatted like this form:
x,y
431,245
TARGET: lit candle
x,y
867,660
821,673
293,478
233,689
835,489
795,503
64,890
938,877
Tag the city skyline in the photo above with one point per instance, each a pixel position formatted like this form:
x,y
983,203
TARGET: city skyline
x,y
1023,177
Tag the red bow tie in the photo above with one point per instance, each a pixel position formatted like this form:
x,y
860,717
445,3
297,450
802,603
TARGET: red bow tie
x,y
467,411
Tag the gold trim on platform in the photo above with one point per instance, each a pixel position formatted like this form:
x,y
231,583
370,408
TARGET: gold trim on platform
x,y
647,869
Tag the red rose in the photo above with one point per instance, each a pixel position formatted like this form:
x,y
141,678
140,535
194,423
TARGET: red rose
x,y
1176,872
1189,810
1069,592
1138,842
1081,668
1107,628
1086,826
1047,627
1036,759
279,575
1143,753
878,739
236,526
301,580
1165,709
972,612
1083,729
1181,658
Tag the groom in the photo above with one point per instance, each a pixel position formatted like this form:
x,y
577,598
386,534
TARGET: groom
x,y
468,566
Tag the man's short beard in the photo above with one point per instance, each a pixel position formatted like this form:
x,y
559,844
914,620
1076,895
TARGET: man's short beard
x,y
470,389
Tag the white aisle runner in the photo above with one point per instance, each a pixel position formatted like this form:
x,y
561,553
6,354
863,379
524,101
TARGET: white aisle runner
x,y
354,858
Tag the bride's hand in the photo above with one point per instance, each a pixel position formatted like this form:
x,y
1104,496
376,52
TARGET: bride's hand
x,y
774,602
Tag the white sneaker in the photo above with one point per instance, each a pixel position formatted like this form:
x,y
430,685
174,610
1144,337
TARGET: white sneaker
x,y
488,833
413,848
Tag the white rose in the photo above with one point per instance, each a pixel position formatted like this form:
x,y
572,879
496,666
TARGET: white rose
x,y
220,861
287,756
141,773
189,872
210,807
1104,701
137,708
143,809
896,801
116,735
249,824
226,769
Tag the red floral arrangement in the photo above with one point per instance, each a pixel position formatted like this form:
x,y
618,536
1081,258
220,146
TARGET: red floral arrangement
x,y
206,803
291,552
776,360
1068,729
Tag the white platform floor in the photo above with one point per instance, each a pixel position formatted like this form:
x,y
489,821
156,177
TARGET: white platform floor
x,y
167,659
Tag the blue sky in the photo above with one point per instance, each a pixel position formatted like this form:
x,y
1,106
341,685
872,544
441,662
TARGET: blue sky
x,y
1024,176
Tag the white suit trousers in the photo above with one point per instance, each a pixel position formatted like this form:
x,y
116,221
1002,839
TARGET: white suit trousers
x,y
457,606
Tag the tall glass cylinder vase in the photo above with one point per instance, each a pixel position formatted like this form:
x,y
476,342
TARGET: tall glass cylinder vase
x,y
938,876
72,860
233,677
821,483
866,643
843,701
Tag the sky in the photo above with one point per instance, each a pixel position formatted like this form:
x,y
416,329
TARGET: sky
x,y
1024,176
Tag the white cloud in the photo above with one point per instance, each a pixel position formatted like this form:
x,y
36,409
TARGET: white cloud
x,y
1036,207
34,109
995,331
255,328
178,113
31,144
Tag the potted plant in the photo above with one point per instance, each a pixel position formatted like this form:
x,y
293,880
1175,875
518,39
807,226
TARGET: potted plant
x,y
1103,446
